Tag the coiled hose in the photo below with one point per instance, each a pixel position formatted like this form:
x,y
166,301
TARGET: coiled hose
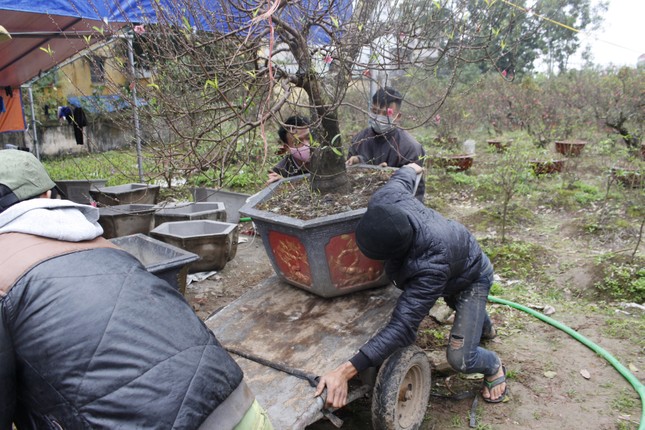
x,y
638,386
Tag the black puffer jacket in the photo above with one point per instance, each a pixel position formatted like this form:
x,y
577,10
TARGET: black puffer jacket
x,y
91,340
443,260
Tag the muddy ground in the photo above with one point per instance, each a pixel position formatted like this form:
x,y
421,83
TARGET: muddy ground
x,y
548,390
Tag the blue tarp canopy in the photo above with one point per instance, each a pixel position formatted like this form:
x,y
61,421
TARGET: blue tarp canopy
x,y
45,33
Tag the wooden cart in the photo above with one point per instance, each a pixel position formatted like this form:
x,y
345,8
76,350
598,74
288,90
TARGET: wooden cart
x,y
284,337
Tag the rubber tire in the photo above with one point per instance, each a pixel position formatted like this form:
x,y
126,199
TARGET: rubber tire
x,y
406,367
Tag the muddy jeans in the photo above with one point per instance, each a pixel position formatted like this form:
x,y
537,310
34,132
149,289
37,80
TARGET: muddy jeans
x,y
471,320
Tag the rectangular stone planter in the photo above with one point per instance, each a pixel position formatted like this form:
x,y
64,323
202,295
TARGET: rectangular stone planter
x,y
232,201
143,194
318,255
215,242
124,220
190,211
78,191
165,261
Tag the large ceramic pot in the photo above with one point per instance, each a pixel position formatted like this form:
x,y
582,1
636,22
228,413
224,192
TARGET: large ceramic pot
x,y
318,255
628,175
547,167
499,144
457,163
570,147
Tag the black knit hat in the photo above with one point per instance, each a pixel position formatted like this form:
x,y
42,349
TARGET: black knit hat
x,y
384,232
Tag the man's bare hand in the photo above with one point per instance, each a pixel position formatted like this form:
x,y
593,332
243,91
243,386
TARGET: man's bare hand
x,y
383,164
414,166
352,160
336,383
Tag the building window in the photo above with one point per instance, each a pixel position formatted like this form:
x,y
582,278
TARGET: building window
x,y
97,69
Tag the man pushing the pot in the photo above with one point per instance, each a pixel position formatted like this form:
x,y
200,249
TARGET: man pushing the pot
x,y
426,256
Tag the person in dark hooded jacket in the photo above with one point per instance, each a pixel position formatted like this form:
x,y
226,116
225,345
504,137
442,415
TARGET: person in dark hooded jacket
x,y
89,339
428,257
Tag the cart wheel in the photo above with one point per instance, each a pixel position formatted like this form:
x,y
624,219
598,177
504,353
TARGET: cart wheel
x,y
402,390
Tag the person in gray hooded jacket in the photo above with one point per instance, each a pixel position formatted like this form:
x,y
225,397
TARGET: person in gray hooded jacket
x,y
428,257
91,340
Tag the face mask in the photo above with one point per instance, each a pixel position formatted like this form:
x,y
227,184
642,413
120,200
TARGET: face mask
x,y
302,154
381,124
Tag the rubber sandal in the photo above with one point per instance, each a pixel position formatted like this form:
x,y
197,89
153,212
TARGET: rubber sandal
x,y
494,383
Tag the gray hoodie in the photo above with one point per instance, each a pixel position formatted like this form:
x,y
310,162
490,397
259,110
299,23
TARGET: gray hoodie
x,y
55,219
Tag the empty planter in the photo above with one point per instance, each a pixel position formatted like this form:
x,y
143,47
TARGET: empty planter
x,y
79,191
143,194
165,261
187,211
232,201
123,220
215,242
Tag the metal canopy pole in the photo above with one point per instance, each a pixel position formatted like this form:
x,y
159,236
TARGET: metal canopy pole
x,y
135,108
33,121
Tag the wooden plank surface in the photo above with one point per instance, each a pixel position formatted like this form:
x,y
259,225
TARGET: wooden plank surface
x,y
283,324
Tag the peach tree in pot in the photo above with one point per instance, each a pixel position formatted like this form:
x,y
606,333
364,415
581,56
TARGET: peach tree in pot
x,y
319,255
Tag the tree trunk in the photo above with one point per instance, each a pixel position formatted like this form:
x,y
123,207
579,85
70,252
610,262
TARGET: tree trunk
x,y
329,174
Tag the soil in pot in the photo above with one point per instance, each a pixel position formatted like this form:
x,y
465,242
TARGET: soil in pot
x,y
297,200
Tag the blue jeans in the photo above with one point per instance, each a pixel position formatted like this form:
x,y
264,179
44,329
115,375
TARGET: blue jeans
x,y
471,320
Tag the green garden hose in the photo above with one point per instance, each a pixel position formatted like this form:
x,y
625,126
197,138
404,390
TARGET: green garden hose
x,y
638,386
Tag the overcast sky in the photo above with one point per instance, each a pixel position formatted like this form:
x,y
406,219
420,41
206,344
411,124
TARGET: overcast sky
x,y
622,38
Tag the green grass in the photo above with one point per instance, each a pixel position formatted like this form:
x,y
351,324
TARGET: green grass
x,y
117,167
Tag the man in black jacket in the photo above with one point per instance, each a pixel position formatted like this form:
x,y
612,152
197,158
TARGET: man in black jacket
x,y
383,143
427,256
91,340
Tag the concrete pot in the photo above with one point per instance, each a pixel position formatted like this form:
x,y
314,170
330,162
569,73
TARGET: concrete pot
x,y
142,194
457,163
628,175
215,242
318,255
570,148
165,261
232,201
500,145
547,167
78,191
190,211
124,220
